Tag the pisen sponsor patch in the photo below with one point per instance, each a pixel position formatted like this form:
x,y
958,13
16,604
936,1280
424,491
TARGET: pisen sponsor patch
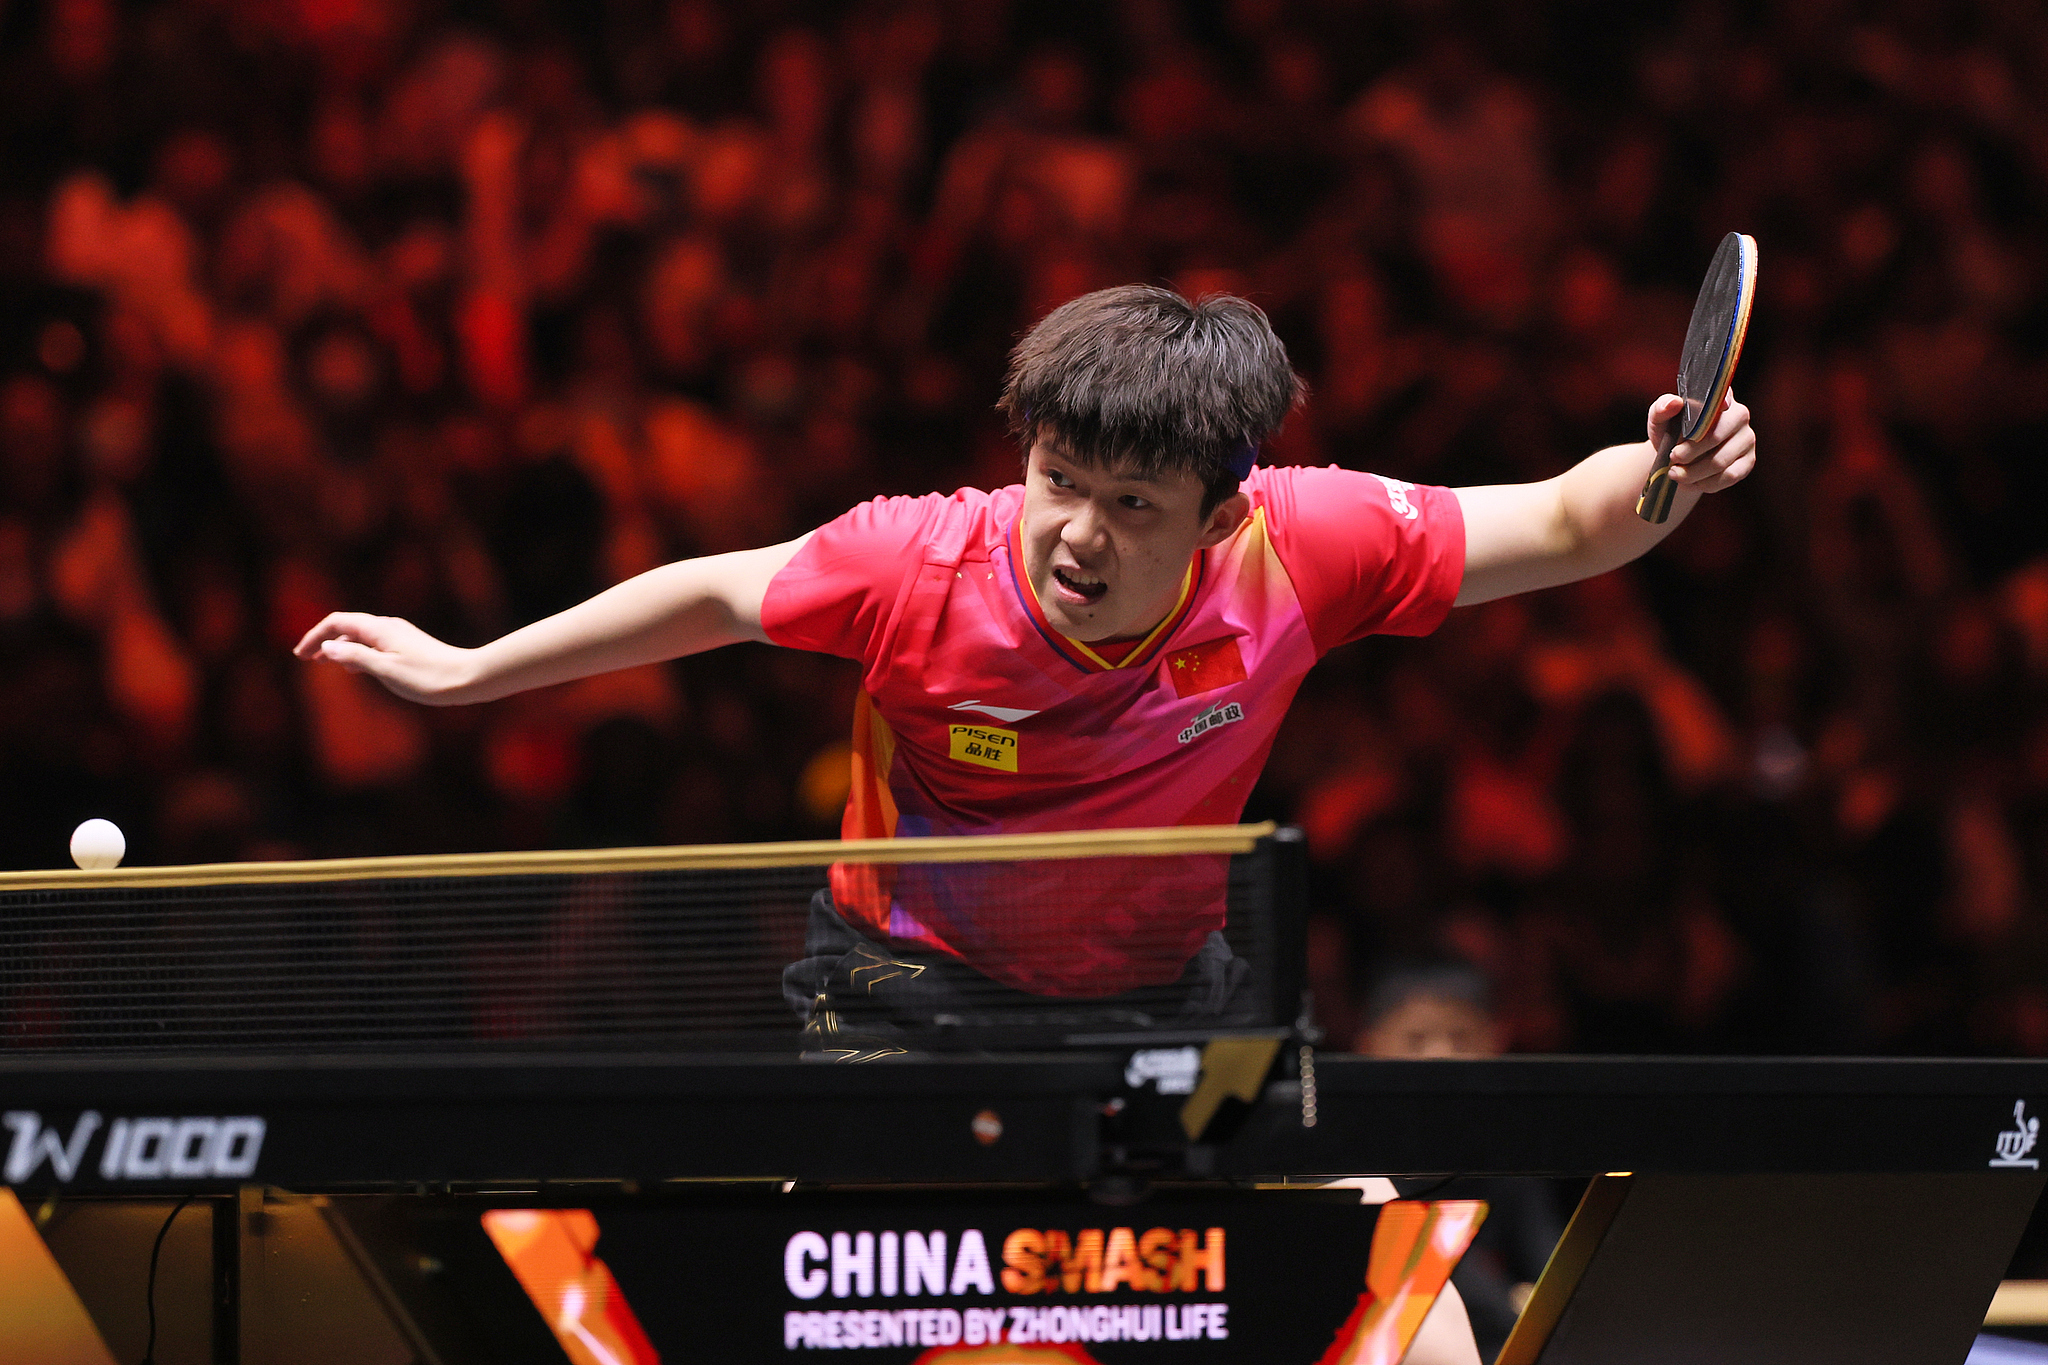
x,y
986,745
1228,714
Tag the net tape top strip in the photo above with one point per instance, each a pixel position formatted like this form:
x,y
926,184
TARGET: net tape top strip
x,y
1097,843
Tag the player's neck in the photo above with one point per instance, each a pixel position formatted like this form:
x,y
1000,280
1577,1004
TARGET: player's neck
x,y
1114,649
1117,650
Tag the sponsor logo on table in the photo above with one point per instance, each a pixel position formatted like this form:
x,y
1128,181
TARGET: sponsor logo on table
x,y
1172,1069
190,1147
1124,1262
2015,1142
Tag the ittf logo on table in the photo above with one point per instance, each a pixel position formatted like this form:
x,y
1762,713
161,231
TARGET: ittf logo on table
x,y
2015,1142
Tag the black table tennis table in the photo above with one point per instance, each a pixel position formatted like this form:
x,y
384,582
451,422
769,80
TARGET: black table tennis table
x,y
357,1122
1807,1210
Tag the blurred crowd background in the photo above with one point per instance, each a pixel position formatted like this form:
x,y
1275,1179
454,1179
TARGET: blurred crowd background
x,y
461,311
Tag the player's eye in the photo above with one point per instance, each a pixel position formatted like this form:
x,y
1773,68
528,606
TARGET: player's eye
x,y
1134,502
1057,479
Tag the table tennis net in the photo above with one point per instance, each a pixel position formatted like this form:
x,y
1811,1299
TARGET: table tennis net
x,y
636,959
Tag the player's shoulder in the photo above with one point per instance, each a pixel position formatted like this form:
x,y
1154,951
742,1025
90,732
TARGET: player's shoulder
x,y
943,525
972,522
1285,491
1313,510
962,505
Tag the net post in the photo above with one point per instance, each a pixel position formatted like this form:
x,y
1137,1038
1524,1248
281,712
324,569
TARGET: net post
x,y
231,1214
1287,847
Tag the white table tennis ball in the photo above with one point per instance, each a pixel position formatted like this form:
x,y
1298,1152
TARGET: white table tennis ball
x,y
98,844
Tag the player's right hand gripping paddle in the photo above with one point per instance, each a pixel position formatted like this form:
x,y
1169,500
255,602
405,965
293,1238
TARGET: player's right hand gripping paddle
x,y
1713,343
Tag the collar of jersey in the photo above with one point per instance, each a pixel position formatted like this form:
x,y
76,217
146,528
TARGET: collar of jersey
x,y
1079,654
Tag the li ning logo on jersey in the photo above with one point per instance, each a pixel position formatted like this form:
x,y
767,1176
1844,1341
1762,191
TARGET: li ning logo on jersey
x,y
1227,714
1008,715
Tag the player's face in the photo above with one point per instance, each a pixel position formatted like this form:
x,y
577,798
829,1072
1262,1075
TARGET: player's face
x,y
1106,552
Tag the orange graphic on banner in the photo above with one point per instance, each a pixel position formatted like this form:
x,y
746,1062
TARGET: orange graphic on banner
x,y
1205,667
551,1252
42,1321
1414,1247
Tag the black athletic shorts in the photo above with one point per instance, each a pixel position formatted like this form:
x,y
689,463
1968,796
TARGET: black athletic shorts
x,y
845,984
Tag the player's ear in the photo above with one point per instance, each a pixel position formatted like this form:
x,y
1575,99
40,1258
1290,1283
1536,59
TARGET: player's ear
x,y
1224,519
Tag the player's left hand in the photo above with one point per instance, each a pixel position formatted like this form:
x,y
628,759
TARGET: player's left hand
x,y
1722,457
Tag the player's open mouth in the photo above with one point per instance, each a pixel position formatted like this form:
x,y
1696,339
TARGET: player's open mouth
x,y
1075,588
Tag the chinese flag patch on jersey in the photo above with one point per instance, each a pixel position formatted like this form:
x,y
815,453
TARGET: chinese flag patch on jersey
x,y
1205,667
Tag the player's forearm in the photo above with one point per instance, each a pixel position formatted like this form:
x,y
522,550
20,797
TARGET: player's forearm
x,y
1520,537
1597,509
1524,536
666,613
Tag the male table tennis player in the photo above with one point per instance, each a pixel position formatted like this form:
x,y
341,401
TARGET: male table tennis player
x,y
1111,643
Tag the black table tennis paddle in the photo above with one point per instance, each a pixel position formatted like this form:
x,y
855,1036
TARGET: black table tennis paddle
x,y
1713,343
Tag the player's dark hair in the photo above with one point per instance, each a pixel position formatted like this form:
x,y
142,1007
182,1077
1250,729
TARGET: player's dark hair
x,y
1437,978
1140,379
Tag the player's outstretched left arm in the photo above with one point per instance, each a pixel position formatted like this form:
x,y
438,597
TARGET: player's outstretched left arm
x,y
678,609
1524,536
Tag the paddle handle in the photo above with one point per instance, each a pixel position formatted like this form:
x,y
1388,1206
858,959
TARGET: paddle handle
x,y
1654,506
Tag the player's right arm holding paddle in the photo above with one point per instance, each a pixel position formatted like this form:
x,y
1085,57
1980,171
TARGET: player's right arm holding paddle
x,y
1523,536
1591,518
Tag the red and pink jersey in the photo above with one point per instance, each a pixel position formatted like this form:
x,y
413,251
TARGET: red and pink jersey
x,y
977,717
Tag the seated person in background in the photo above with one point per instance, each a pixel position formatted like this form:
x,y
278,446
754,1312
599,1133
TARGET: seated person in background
x,y
1444,1009
1429,1009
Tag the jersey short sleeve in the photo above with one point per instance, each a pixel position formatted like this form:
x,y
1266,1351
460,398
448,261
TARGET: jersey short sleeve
x,y
838,593
1367,555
